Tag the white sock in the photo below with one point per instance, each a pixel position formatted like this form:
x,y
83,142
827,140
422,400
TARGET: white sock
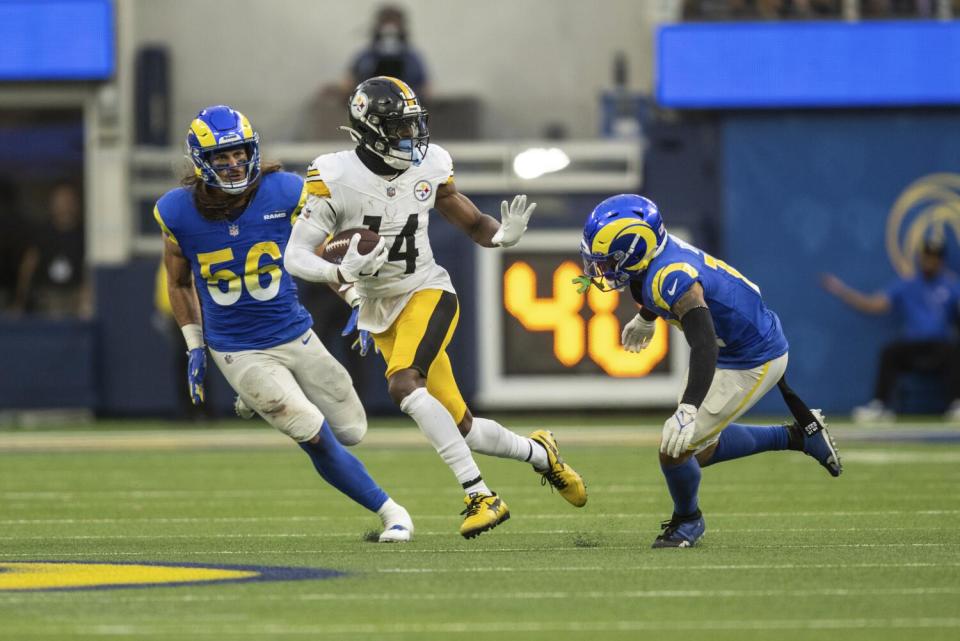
x,y
392,513
437,425
489,437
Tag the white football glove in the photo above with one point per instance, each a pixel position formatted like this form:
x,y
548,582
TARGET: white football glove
x,y
355,265
513,221
637,334
678,431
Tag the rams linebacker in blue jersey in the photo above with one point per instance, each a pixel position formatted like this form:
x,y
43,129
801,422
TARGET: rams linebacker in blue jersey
x,y
225,230
737,351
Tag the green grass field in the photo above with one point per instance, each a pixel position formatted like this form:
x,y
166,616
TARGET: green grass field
x,y
790,553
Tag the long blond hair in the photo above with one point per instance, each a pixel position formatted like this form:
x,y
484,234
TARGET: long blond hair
x,y
216,204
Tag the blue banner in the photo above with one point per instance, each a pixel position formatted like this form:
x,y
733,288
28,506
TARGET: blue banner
x,y
848,194
808,64
56,40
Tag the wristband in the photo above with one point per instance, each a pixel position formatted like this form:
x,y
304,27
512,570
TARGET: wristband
x,y
193,334
350,295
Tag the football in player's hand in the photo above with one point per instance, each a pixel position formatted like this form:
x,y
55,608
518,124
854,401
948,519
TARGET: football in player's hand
x,y
335,248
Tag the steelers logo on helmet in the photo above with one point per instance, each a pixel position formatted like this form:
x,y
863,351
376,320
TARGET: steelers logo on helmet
x,y
359,105
387,119
620,238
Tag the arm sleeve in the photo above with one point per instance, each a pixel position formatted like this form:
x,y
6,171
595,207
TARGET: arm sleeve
x,y
300,258
698,330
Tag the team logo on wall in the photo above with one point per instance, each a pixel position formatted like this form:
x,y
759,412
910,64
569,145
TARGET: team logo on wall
x,y
422,190
42,576
359,105
928,209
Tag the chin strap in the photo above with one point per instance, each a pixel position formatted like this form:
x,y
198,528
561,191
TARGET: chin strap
x,y
354,134
386,160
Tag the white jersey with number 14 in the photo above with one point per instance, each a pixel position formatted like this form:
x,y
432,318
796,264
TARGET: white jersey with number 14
x,y
344,194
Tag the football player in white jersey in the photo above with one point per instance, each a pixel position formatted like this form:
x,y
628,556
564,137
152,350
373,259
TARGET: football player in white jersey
x,y
388,184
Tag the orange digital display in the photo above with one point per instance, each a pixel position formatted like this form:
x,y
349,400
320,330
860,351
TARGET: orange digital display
x,y
583,327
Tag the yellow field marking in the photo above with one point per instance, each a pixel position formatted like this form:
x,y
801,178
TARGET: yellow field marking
x,y
59,576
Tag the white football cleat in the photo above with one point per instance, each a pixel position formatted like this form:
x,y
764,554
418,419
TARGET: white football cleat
x,y
953,412
873,412
397,526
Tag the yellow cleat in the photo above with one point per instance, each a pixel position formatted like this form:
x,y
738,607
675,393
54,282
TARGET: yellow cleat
x,y
484,512
559,474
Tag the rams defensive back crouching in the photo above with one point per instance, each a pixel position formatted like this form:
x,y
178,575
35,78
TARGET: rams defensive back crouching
x,y
389,183
226,230
737,351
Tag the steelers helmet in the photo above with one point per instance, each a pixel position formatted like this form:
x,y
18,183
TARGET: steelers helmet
x,y
620,238
217,129
387,119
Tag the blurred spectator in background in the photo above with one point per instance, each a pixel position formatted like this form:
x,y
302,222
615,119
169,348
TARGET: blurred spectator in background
x,y
51,279
388,54
13,240
927,306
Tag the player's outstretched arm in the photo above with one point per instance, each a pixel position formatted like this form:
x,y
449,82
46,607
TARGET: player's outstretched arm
x,y
481,228
697,323
867,303
186,310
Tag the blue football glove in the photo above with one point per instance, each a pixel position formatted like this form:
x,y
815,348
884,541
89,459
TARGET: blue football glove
x,y
196,370
363,341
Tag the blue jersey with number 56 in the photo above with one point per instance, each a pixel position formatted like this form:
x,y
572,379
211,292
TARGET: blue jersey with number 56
x,y
248,300
748,333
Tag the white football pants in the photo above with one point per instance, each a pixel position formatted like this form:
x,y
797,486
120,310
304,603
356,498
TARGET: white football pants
x,y
732,393
295,386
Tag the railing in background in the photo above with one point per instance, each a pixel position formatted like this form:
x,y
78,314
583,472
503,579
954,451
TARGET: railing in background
x,y
594,166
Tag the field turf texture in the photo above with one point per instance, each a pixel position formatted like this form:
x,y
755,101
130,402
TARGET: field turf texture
x,y
790,553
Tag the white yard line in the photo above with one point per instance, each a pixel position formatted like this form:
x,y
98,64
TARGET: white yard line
x,y
421,533
114,597
498,626
566,516
396,549
178,438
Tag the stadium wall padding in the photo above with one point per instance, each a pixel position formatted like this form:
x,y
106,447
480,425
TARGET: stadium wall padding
x,y
811,192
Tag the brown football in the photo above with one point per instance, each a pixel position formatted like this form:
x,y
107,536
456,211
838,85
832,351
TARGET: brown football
x,y
336,247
